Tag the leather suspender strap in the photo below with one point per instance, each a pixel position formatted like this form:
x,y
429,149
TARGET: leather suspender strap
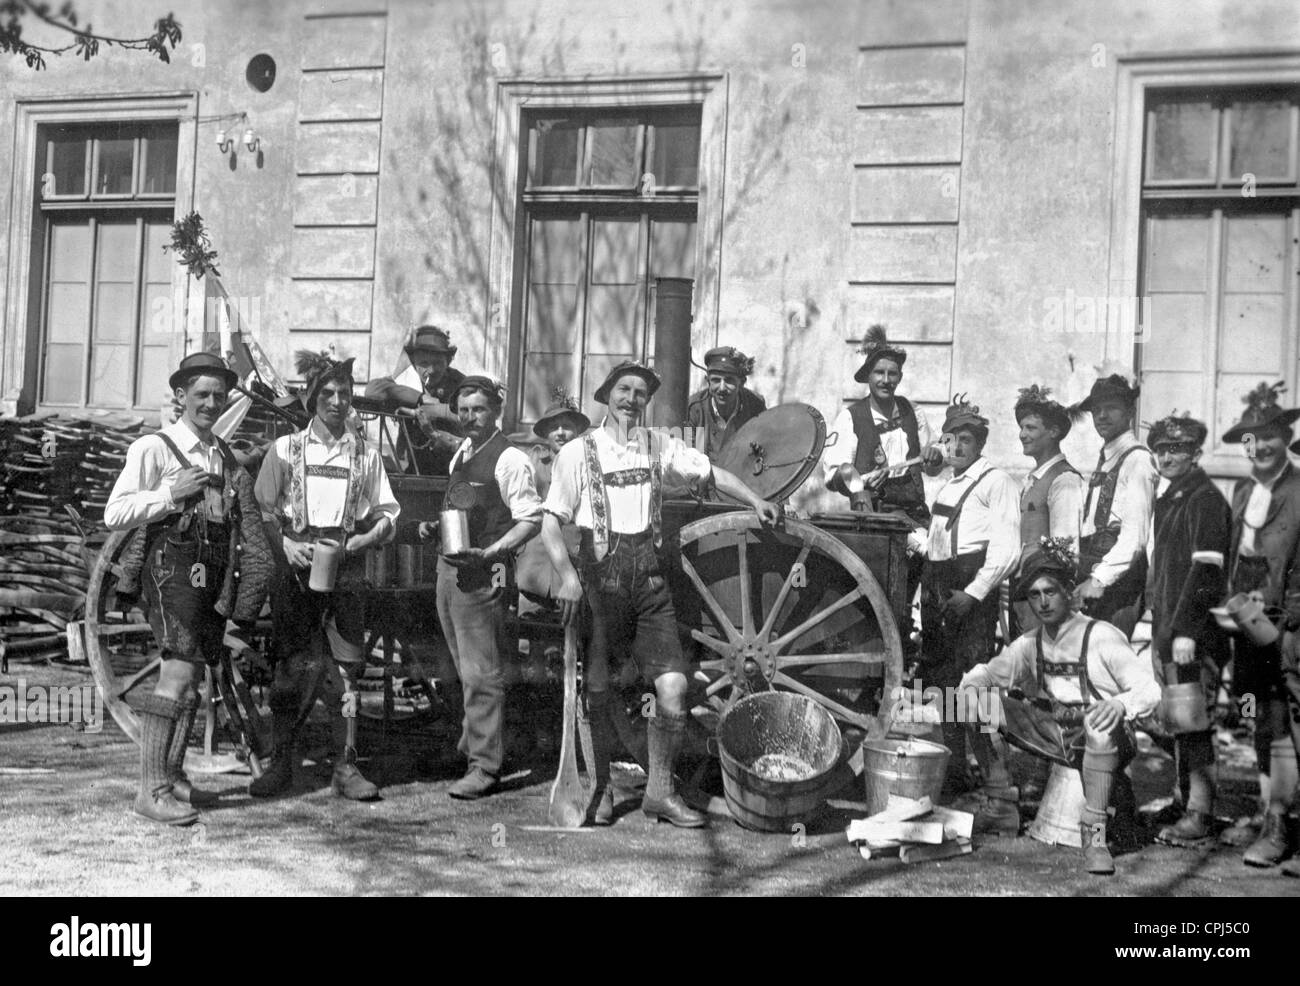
x,y
185,463
599,498
954,521
1106,498
1081,666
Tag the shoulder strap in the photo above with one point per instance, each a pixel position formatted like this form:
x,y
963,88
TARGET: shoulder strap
x,y
1038,663
175,450
954,520
1106,497
599,497
1085,684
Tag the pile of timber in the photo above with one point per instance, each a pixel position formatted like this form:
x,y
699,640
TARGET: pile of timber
x,y
913,830
42,587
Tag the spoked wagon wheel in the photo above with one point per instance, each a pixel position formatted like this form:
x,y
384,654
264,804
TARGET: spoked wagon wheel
x,y
125,659
790,608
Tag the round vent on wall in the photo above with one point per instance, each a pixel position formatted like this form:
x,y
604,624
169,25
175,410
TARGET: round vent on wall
x,y
261,72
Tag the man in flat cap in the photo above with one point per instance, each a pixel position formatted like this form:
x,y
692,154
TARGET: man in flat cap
x,y
425,388
1051,497
319,488
1117,509
720,410
610,484
974,543
1192,520
183,488
888,430
1264,561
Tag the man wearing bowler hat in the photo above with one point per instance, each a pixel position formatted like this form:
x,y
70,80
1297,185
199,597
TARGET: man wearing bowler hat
x,y
1263,562
1117,509
425,388
1191,523
321,490
203,558
724,405
610,484
495,481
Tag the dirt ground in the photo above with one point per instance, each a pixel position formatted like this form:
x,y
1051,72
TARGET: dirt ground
x,y
67,828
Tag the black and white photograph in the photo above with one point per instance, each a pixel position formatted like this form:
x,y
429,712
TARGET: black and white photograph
x,y
660,448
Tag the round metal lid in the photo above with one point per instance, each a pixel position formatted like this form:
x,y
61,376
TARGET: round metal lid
x,y
775,452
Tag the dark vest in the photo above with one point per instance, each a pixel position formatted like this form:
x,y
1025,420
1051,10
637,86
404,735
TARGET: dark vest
x,y
907,492
1035,522
490,517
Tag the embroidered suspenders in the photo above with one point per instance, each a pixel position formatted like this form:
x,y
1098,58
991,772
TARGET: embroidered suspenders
x,y
298,482
1066,668
1108,483
597,482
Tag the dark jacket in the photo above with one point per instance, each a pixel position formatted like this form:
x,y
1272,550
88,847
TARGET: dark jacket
x,y
699,414
1275,541
1192,515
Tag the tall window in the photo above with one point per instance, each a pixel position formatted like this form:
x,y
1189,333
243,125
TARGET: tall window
x,y
107,197
1221,217
609,200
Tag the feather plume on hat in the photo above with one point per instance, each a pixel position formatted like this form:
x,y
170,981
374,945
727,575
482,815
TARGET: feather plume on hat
x,y
1052,556
561,397
317,369
963,414
1115,382
1038,400
875,347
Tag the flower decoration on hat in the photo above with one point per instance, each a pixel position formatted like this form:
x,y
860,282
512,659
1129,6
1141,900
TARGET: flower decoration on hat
x,y
1264,398
1177,429
1054,557
318,369
561,398
1038,400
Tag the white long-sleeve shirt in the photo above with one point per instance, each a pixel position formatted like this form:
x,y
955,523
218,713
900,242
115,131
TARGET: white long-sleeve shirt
x,y
989,520
325,495
1131,509
513,473
143,491
1064,501
1114,669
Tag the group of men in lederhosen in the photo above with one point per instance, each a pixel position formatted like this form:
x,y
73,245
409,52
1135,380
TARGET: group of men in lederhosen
x,y
1084,559
209,535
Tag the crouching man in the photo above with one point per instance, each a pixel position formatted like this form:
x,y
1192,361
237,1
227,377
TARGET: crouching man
x,y
1067,692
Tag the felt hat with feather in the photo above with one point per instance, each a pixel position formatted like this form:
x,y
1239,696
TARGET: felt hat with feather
x,y
430,338
1112,384
1177,429
1052,556
963,414
875,347
1262,411
562,405
318,369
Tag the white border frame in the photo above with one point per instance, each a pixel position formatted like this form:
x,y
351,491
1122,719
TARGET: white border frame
x,y
17,390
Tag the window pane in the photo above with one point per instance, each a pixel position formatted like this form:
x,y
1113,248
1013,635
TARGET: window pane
x,y
553,318
113,176
554,152
1261,140
554,270
672,249
542,373
155,367
110,376
676,155
614,314
1252,333
64,366
67,166
157,311
613,153
68,299
1183,144
160,165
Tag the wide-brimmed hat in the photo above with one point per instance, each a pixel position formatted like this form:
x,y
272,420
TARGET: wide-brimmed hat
x,y
963,414
1054,557
1038,400
479,382
431,338
1113,387
877,347
562,405
318,369
202,365
1262,411
728,359
1177,429
630,366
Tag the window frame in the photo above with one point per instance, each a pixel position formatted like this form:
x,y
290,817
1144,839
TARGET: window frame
x,y
20,353
1138,78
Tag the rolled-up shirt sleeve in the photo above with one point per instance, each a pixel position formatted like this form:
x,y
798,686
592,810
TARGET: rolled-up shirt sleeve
x,y
514,476
270,484
1005,670
565,494
1133,677
383,502
136,498
1002,506
1135,493
683,465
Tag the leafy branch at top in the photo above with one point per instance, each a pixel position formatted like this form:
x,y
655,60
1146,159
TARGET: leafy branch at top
x,y
190,240
86,43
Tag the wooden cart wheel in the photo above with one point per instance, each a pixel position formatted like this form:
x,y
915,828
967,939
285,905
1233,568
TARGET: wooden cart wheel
x,y
125,659
790,608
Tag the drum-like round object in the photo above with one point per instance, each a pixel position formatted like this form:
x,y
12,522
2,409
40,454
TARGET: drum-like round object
x,y
775,452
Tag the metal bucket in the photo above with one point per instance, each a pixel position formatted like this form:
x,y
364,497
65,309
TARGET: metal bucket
x,y
1061,809
1182,706
771,730
453,525
909,768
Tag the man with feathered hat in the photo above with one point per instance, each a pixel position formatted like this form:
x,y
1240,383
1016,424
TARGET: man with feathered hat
x,y
1068,691
974,543
1264,545
887,430
610,485
1051,497
321,484
425,388
1117,509
722,407
202,557
1191,523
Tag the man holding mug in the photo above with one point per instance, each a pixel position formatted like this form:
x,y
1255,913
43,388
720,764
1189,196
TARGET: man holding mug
x,y
319,488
